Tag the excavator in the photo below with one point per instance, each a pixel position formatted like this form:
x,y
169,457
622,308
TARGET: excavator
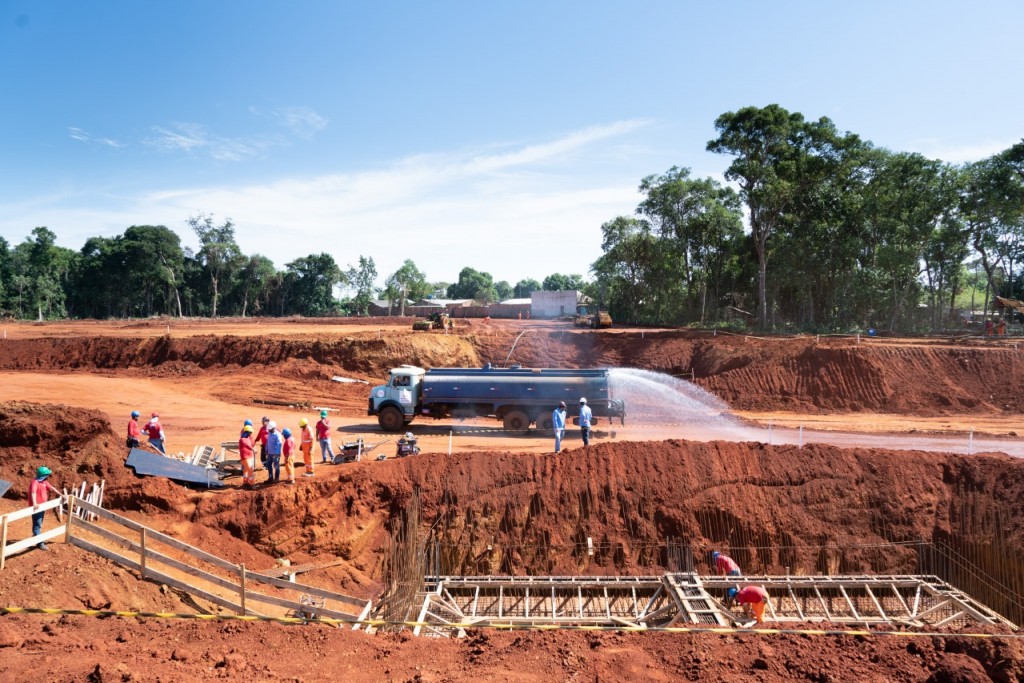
x,y
591,316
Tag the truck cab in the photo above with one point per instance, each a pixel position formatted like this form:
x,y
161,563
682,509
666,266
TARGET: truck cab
x,y
395,403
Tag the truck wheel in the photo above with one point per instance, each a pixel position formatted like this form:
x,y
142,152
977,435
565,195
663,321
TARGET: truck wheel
x,y
391,419
516,421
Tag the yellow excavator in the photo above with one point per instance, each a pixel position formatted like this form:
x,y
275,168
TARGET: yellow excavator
x,y
591,316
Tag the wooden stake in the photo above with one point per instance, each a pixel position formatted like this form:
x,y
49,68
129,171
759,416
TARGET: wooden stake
x,y
3,541
241,589
71,516
142,553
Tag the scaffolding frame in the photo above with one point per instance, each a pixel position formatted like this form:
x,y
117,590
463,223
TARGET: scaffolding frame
x,y
451,604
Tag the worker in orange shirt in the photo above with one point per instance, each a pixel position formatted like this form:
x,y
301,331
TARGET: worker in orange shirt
x,y
245,452
752,599
288,453
306,446
134,432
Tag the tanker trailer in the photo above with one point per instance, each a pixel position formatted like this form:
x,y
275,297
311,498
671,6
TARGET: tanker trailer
x,y
517,396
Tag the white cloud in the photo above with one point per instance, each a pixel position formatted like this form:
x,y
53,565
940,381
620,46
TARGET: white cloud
x,y
194,138
515,211
83,136
301,121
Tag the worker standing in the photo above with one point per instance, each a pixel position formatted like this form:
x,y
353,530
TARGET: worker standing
x,y
288,455
306,446
1001,327
247,456
558,424
155,433
274,445
753,599
323,435
261,439
725,565
586,417
134,433
38,493
247,423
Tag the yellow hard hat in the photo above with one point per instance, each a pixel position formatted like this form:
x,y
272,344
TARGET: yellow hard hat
x,y
247,429
303,422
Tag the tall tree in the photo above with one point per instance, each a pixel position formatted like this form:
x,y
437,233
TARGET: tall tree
x,y
255,281
556,282
503,290
473,284
154,262
218,253
361,279
408,282
524,288
313,282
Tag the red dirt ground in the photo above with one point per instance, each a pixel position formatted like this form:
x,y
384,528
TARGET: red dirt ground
x,y
532,508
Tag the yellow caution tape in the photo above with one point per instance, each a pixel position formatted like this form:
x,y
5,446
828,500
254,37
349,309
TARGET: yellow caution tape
x,y
502,627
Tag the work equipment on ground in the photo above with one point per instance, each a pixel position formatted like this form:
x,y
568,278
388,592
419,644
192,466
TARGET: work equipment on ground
x,y
407,446
434,321
591,316
517,396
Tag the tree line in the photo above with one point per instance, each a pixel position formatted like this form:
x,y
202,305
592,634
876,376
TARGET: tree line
x,y
816,230
145,271
840,234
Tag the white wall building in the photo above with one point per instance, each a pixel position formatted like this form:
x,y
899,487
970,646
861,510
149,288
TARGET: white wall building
x,y
553,304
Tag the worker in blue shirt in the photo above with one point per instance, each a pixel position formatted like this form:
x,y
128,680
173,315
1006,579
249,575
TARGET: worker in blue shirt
x,y
585,418
558,424
274,445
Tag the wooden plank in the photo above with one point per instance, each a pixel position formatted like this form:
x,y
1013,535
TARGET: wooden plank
x,y
153,575
3,541
32,541
29,511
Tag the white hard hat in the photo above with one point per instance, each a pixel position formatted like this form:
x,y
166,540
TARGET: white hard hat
x,y
271,425
583,400
408,435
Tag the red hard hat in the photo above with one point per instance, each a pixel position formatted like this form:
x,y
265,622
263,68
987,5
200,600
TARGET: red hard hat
x,y
155,414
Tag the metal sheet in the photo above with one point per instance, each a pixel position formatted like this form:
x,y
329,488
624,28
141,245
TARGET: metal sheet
x,y
151,464
4,487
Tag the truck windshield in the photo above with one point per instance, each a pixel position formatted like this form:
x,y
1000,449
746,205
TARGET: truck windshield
x,y
401,381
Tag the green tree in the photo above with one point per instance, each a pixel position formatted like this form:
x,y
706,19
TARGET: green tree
x,y
362,278
473,284
218,252
503,290
153,265
524,288
630,264
312,279
40,269
408,282
255,281
556,282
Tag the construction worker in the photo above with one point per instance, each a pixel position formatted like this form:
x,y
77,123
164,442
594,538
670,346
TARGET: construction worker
x,y
323,435
558,424
247,423
753,599
288,455
261,439
725,565
155,433
306,446
38,493
1001,327
247,456
274,446
134,433
586,416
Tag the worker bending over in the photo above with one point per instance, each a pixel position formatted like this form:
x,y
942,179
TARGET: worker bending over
x,y
753,599
725,565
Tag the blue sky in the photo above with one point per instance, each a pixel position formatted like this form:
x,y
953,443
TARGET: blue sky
x,y
486,134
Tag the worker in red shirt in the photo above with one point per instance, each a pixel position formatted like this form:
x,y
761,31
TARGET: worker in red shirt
x,y
752,599
155,433
306,446
725,565
288,453
38,493
261,439
134,433
247,456
323,435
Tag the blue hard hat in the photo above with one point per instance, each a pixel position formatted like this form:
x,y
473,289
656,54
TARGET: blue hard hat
x,y
247,422
715,555
286,432
135,413
732,593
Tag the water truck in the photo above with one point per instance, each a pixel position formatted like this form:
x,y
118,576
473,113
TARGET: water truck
x,y
516,395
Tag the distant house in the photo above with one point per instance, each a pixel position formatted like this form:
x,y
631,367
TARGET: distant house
x,y
517,302
444,303
380,307
554,304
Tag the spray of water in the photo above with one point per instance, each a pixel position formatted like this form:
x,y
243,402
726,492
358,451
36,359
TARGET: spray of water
x,y
662,403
